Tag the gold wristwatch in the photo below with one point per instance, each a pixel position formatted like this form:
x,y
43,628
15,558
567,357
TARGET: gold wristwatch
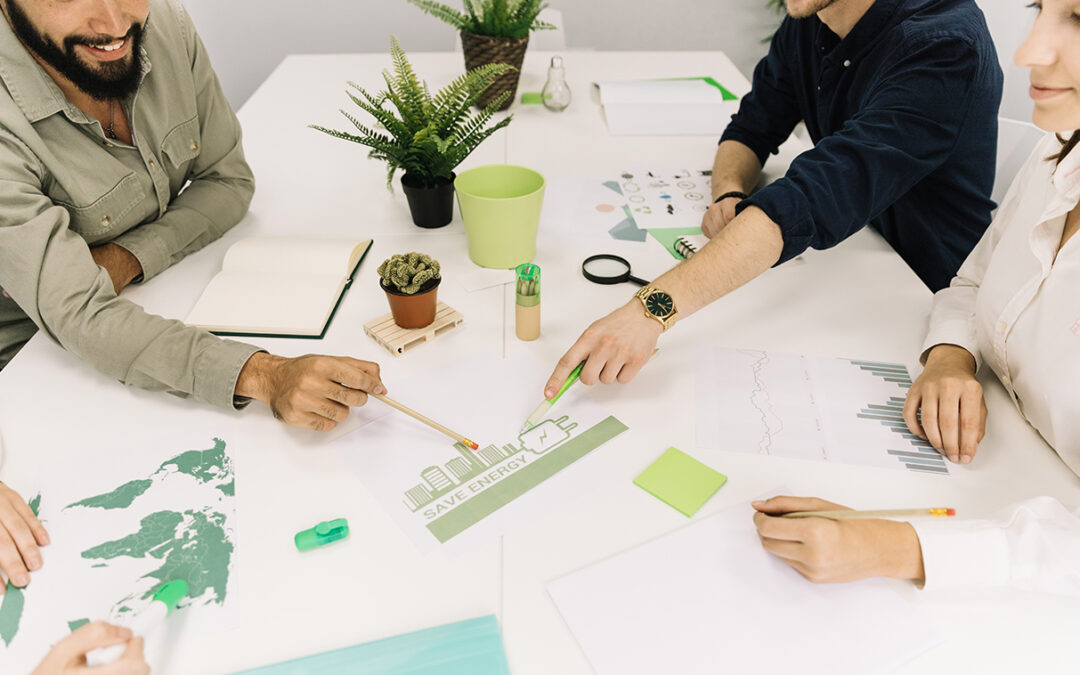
x,y
658,305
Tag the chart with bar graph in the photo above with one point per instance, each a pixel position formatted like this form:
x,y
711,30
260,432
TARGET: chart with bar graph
x,y
826,409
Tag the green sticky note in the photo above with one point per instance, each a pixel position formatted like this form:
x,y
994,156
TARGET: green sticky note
x,y
532,98
680,481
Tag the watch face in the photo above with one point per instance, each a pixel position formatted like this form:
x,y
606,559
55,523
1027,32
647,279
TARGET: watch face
x,y
659,304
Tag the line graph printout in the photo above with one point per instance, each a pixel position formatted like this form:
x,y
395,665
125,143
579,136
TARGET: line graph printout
x,y
788,405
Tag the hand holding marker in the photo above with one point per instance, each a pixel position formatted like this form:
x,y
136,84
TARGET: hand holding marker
x,y
164,601
542,409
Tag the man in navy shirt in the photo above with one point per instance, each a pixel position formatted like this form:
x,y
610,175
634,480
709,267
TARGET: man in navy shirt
x,y
900,98
902,109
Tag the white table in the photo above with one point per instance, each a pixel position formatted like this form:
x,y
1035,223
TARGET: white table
x,y
858,299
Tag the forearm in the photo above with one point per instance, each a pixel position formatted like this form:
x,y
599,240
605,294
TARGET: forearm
x,y
255,377
122,266
206,210
902,556
744,249
950,354
735,169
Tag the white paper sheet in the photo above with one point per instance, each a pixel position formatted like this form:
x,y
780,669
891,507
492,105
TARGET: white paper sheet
x,y
665,108
478,278
708,599
439,492
121,524
826,409
667,197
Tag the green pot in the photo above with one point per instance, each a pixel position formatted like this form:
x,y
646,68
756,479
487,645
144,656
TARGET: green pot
x,y
500,208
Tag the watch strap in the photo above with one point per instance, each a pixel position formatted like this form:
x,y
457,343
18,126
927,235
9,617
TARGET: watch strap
x,y
733,193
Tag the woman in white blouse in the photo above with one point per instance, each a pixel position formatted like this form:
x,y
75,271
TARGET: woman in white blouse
x,y
1015,304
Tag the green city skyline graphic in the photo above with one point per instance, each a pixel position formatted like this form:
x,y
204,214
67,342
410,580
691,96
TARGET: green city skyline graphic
x,y
440,480
542,451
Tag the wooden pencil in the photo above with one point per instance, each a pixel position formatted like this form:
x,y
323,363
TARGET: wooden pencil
x,y
426,420
887,513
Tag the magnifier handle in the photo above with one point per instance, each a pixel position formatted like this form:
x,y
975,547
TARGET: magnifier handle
x,y
638,281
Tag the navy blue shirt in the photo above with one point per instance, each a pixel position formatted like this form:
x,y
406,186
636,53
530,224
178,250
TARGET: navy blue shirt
x,y
903,116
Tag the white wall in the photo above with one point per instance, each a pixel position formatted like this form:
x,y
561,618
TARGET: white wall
x,y
248,38
1009,22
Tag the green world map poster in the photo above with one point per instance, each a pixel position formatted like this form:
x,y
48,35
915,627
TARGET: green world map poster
x,y
118,534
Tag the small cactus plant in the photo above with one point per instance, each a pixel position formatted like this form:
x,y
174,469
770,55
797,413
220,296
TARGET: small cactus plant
x,y
407,272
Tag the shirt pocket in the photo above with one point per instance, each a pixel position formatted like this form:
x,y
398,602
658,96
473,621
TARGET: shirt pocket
x,y
182,145
106,214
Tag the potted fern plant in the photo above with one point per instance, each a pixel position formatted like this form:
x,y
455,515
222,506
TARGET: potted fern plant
x,y
424,135
492,31
411,281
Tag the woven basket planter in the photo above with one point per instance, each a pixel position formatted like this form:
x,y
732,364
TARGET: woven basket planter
x,y
482,49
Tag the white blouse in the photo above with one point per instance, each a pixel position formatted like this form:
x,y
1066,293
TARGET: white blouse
x,y
1015,307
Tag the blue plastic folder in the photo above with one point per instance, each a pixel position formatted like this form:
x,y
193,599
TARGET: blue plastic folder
x,y
472,647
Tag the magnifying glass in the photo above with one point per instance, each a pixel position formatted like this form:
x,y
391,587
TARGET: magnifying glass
x,y
609,269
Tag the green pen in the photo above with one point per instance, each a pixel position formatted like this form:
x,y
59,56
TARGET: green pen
x,y
544,407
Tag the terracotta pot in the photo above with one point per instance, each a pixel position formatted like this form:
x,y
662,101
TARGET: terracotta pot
x,y
416,310
480,50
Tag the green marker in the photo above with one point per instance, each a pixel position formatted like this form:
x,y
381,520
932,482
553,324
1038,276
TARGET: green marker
x,y
164,601
324,533
544,407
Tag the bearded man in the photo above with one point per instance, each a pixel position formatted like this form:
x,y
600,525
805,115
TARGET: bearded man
x,y
119,156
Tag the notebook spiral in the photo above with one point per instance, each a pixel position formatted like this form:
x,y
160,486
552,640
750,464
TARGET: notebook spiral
x,y
687,246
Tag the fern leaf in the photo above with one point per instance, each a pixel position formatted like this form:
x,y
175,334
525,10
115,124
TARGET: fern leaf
x,y
441,12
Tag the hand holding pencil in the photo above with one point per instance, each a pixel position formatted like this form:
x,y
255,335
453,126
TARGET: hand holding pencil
x,y
835,549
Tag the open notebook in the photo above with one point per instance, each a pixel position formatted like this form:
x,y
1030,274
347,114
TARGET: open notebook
x,y
279,286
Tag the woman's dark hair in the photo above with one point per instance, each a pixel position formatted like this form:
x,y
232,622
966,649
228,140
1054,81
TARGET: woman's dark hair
x,y
1068,144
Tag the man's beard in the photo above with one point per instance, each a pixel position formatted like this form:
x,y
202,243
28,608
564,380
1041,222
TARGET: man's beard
x,y
814,7
111,80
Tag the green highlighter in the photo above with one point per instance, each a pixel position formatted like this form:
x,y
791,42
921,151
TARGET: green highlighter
x,y
322,534
542,409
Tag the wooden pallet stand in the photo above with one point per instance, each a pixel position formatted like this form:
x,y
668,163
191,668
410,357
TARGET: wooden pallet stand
x,y
399,340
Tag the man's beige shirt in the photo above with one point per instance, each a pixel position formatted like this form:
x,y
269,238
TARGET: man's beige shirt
x,y
65,187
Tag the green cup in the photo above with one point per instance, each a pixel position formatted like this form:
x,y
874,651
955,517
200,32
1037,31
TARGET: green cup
x,y
500,207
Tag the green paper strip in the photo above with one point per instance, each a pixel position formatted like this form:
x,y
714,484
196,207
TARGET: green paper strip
x,y
532,98
510,488
724,93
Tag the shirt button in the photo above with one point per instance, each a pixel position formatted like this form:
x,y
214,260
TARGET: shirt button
x,y
105,221
152,164
847,63
108,144
194,146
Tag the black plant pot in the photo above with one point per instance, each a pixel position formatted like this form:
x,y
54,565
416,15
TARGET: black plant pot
x,y
430,206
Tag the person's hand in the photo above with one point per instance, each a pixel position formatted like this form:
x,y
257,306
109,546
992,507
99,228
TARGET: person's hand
x,y
953,418
68,657
718,216
311,392
20,535
122,266
835,551
614,348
